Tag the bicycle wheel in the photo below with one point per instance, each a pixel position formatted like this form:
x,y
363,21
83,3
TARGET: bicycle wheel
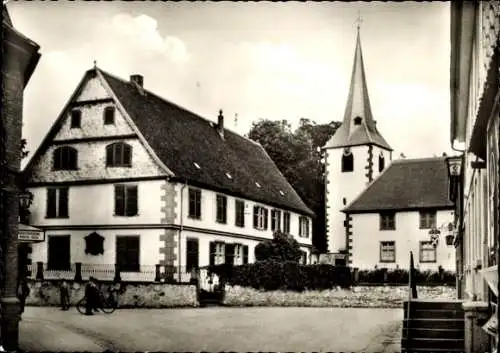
x,y
80,306
108,306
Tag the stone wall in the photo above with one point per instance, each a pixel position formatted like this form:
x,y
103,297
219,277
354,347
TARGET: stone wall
x,y
357,297
151,295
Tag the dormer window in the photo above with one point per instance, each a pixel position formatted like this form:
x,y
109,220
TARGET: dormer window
x,y
76,119
65,158
357,120
347,161
257,184
381,162
109,115
196,165
118,154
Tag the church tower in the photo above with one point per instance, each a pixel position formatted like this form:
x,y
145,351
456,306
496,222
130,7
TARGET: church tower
x,y
354,156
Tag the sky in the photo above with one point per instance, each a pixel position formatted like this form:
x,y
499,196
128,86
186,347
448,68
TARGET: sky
x,y
253,60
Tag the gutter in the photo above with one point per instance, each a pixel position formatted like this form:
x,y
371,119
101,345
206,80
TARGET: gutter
x,y
181,229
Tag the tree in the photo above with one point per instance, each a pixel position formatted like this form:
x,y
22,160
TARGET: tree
x,y
297,154
281,248
24,153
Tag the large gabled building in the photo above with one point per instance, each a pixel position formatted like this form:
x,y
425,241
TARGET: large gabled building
x,y
126,177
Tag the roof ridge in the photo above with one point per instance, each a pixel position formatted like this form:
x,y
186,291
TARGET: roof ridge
x,y
165,100
420,159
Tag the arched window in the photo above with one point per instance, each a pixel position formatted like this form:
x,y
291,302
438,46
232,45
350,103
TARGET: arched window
x,y
119,154
357,120
381,162
347,161
109,115
65,158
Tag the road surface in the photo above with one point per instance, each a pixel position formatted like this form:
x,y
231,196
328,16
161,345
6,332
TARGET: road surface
x,y
213,329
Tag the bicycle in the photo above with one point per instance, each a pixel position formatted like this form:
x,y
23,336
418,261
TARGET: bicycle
x,y
107,304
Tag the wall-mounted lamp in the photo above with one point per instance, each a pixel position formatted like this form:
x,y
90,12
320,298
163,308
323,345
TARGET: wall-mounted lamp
x,y
454,164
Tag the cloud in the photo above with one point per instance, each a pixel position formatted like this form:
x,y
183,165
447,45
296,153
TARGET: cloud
x,y
143,31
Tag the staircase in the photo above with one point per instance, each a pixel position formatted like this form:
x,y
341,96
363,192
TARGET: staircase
x,y
433,326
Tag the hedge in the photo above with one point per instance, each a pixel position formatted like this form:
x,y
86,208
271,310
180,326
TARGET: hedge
x,y
275,275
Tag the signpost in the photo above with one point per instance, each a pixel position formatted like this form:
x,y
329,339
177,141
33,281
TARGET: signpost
x,y
30,234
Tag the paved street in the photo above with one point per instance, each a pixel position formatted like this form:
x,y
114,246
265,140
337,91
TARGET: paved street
x,y
214,329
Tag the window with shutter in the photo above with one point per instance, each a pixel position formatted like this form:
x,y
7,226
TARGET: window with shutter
x,y
120,200
192,254
229,254
128,253
221,207
256,217
275,220
286,222
212,253
245,254
59,254
194,211
265,217
57,203
131,197
239,213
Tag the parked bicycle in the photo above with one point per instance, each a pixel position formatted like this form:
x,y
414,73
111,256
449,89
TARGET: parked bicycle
x,y
106,304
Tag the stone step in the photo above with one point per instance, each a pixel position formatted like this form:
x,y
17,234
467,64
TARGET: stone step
x,y
432,343
434,333
437,324
434,314
426,304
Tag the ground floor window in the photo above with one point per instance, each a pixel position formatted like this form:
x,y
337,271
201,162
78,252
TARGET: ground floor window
x,y
127,253
387,251
427,252
192,254
59,253
217,253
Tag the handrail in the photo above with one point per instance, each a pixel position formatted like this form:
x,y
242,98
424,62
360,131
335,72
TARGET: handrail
x,y
412,294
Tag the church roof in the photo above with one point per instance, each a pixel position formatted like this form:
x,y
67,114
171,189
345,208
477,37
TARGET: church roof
x,y
353,132
406,184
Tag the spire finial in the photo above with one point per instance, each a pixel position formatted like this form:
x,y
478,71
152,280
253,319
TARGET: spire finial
x,y
95,64
359,20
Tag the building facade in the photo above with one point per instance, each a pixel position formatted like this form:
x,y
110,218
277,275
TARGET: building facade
x,y
126,178
404,209
355,155
475,132
20,57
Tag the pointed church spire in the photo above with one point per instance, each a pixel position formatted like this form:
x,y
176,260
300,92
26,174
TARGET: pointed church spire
x,y
358,126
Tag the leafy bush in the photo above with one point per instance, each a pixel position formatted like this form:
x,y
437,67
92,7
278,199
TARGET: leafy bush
x,y
400,276
289,275
282,248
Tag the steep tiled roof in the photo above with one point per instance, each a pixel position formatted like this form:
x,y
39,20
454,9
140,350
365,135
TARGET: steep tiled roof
x,y
183,141
358,105
406,184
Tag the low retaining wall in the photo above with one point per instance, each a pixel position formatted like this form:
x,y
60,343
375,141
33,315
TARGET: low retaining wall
x,y
357,297
157,295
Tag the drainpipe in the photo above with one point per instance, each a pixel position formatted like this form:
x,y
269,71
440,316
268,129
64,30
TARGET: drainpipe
x,y
461,261
181,229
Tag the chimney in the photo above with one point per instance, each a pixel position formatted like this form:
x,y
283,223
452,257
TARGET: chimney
x,y
220,124
137,79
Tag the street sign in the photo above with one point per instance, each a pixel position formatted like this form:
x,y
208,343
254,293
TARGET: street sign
x,y
30,234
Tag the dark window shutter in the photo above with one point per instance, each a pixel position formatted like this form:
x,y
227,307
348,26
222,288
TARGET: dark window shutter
x,y
109,155
127,155
51,203
229,254
73,160
63,202
192,203
245,254
198,204
255,216
212,253
119,200
265,218
117,157
131,196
